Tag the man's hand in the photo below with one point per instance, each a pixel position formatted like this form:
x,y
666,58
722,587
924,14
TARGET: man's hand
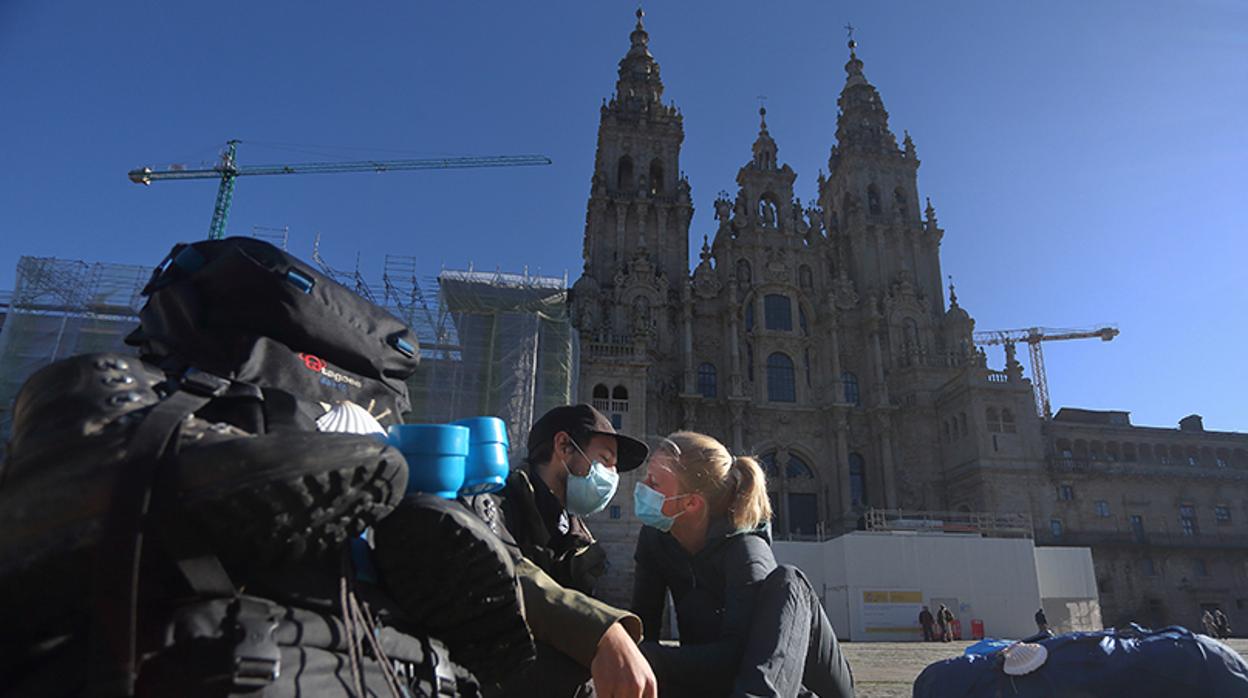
x,y
619,670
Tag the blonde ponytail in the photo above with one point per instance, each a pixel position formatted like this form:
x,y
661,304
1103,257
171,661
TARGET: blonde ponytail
x,y
736,488
749,504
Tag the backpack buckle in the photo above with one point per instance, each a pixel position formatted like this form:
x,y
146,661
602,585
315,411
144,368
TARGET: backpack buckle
x,y
203,383
257,658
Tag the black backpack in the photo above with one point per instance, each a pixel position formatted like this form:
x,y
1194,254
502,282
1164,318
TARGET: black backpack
x,y
247,311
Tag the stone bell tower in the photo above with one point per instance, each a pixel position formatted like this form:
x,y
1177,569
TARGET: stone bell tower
x,y
636,251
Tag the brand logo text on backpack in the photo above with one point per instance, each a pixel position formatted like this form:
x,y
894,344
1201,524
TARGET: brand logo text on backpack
x,y
328,375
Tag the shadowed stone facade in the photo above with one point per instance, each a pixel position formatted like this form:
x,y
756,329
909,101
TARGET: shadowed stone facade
x,y
818,337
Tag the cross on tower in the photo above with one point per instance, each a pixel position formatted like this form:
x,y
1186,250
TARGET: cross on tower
x,y
849,31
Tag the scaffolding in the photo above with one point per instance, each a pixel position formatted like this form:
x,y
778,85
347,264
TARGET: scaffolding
x,y
59,308
491,343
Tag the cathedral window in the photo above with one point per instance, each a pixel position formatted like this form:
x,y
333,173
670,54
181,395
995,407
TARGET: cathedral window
x,y
1055,527
706,380
624,174
1102,508
849,382
873,200
1187,520
781,386
619,399
656,176
857,480
1007,421
1128,453
1222,514
602,398
778,312
994,420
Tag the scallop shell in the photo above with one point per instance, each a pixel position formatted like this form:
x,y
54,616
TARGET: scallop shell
x,y
1024,658
349,418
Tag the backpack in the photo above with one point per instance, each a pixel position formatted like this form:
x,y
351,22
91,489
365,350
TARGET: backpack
x,y
1132,661
245,310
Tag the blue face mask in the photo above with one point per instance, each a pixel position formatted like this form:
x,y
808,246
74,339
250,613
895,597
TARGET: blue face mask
x,y
590,493
648,505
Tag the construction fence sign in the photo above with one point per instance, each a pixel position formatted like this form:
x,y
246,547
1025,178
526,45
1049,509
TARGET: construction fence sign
x,y
891,612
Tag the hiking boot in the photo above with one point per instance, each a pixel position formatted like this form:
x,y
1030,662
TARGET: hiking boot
x,y
256,500
456,580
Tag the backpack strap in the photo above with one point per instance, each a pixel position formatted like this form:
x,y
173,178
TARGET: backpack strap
x,y
111,667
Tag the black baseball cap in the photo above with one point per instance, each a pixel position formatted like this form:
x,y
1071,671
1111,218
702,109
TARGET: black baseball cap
x,y
584,419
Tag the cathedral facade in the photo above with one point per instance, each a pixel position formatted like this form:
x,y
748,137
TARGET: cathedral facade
x,y
816,336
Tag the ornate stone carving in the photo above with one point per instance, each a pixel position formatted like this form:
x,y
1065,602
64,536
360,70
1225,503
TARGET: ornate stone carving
x,y
778,269
846,298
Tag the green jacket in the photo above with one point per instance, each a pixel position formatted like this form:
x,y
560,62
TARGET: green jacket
x,y
566,619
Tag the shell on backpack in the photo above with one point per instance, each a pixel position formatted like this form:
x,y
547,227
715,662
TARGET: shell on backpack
x,y
347,417
1024,658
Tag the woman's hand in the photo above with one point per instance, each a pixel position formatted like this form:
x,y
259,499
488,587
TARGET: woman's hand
x,y
619,670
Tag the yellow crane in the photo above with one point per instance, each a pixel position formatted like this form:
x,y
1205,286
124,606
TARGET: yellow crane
x,y
1033,337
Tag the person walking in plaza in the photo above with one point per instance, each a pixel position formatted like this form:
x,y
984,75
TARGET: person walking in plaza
x,y
748,627
944,617
1211,626
1042,622
927,621
1221,623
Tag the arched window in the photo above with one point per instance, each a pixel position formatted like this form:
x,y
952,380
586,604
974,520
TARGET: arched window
x,y
873,200
656,176
619,406
781,386
994,420
1063,449
602,398
857,480
706,380
1128,453
797,469
743,272
624,174
805,278
850,383
1007,421
778,312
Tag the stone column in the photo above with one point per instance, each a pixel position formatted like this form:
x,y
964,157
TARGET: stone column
x,y
884,427
734,341
686,319
621,222
840,416
737,406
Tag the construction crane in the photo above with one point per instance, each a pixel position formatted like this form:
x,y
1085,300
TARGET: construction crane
x,y
1033,336
228,170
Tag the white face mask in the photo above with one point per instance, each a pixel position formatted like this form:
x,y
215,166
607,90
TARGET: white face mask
x,y
590,493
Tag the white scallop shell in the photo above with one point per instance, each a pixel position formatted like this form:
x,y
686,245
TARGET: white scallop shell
x,y
1024,658
349,418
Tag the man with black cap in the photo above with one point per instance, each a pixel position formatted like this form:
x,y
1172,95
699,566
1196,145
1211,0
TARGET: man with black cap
x,y
572,469
573,466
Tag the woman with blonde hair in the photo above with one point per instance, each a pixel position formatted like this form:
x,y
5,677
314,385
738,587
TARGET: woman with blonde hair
x,y
747,626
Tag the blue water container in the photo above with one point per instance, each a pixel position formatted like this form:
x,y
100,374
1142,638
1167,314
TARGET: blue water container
x,y
487,466
436,456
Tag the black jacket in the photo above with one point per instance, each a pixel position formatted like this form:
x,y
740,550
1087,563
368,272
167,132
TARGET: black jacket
x,y
551,537
713,592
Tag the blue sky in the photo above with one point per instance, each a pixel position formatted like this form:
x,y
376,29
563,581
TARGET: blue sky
x,y
1086,159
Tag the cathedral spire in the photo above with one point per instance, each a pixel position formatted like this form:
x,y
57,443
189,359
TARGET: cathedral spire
x,y
764,146
639,87
863,121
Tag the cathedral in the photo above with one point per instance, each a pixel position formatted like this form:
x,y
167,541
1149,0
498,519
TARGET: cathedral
x,y
819,337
